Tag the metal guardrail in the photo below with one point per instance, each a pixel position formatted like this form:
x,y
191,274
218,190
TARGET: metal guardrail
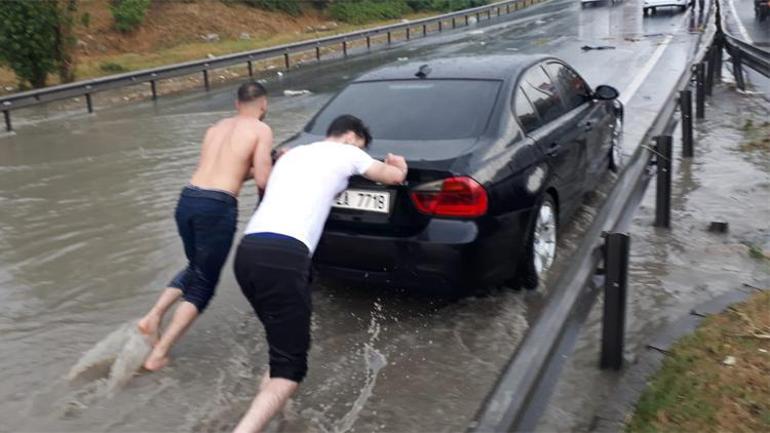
x,y
88,87
526,383
742,53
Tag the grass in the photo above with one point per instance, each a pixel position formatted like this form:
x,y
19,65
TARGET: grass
x,y
99,66
696,391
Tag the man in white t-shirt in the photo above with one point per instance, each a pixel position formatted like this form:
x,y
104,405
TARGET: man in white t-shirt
x,y
272,264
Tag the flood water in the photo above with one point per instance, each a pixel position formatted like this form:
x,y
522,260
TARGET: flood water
x,y
87,241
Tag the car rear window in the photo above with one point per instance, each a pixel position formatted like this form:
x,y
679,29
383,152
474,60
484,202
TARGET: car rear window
x,y
415,110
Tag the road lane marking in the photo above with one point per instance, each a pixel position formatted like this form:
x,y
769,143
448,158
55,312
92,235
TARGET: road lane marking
x,y
630,90
741,28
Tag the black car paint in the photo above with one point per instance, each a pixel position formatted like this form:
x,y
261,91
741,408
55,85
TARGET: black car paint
x,y
516,169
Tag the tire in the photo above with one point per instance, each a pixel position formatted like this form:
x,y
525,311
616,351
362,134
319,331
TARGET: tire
x,y
542,237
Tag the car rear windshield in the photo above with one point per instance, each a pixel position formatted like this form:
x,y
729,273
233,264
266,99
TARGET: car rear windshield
x,y
415,110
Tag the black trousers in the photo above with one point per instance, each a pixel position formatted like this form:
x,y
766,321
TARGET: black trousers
x,y
274,275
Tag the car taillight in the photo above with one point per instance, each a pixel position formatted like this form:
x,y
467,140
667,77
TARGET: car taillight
x,y
453,197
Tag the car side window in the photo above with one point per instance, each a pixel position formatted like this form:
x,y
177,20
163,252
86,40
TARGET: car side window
x,y
543,94
574,89
525,112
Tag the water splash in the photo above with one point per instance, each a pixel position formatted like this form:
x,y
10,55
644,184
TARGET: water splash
x,y
123,350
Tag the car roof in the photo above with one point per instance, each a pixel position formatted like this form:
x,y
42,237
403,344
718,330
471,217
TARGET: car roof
x,y
490,67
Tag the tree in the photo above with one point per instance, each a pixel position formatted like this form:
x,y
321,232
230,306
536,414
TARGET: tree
x,y
36,39
28,39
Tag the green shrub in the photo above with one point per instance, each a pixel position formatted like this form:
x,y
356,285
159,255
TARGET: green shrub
x,y
444,5
360,12
291,7
112,67
128,14
28,39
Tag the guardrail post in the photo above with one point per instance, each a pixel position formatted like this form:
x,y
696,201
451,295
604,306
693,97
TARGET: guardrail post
x,y
489,14
454,22
318,52
685,105
738,69
663,185
467,21
251,68
710,71
478,17
89,103
390,37
700,90
408,34
616,249
424,30
206,79
7,115
368,42
718,58
440,26
286,60
154,90
344,48
508,8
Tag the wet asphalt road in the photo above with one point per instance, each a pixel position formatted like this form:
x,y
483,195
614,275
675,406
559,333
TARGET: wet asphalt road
x,y
87,241
742,23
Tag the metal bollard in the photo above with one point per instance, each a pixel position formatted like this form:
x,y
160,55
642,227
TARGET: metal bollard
x,y
408,34
8,125
206,79
710,71
700,90
718,60
251,68
424,30
344,48
738,70
154,90
685,105
286,60
454,22
467,20
368,42
616,251
318,53
663,185
89,103
390,37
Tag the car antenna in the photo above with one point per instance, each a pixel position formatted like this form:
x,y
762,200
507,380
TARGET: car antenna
x,y
423,71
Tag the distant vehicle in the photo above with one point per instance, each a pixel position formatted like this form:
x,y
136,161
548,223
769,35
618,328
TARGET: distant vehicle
x,y
501,150
651,6
584,3
761,9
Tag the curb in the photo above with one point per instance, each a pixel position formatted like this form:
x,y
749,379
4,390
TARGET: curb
x,y
622,400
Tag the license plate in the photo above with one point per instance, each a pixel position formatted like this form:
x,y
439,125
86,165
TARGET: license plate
x,y
359,199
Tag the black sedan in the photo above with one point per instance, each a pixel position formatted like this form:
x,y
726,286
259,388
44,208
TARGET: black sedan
x,y
501,150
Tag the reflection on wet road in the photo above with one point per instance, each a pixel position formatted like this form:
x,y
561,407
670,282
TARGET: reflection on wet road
x,y
87,240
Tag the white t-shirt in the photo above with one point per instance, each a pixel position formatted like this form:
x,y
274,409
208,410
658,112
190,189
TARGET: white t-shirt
x,y
302,188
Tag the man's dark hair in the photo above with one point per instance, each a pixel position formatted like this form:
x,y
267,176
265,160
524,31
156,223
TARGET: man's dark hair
x,y
347,123
251,91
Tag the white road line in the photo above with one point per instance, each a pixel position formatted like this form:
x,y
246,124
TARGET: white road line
x,y
631,89
741,28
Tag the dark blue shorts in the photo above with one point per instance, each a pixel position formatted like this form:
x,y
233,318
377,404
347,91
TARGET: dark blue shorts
x,y
206,220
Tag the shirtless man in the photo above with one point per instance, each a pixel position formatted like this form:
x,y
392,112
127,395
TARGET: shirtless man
x,y
234,149
272,264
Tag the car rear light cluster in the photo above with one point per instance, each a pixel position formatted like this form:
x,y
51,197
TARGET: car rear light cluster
x,y
452,197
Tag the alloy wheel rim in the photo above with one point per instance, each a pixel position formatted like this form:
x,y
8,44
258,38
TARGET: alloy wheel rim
x,y
545,239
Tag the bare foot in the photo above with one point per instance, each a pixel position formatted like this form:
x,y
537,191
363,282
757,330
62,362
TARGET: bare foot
x,y
156,361
148,326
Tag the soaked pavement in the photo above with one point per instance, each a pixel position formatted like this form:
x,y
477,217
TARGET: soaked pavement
x,y
672,271
87,241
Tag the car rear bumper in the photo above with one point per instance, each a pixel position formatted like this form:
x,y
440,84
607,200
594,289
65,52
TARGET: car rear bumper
x,y
447,254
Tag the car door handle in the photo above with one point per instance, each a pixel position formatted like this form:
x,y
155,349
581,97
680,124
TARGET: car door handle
x,y
553,149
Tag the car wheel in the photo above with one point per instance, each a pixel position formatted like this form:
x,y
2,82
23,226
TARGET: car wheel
x,y
616,149
540,250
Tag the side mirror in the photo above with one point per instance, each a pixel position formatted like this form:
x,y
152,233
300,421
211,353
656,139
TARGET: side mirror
x,y
606,93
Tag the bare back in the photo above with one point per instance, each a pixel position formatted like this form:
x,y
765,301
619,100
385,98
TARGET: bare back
x,y
233,150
